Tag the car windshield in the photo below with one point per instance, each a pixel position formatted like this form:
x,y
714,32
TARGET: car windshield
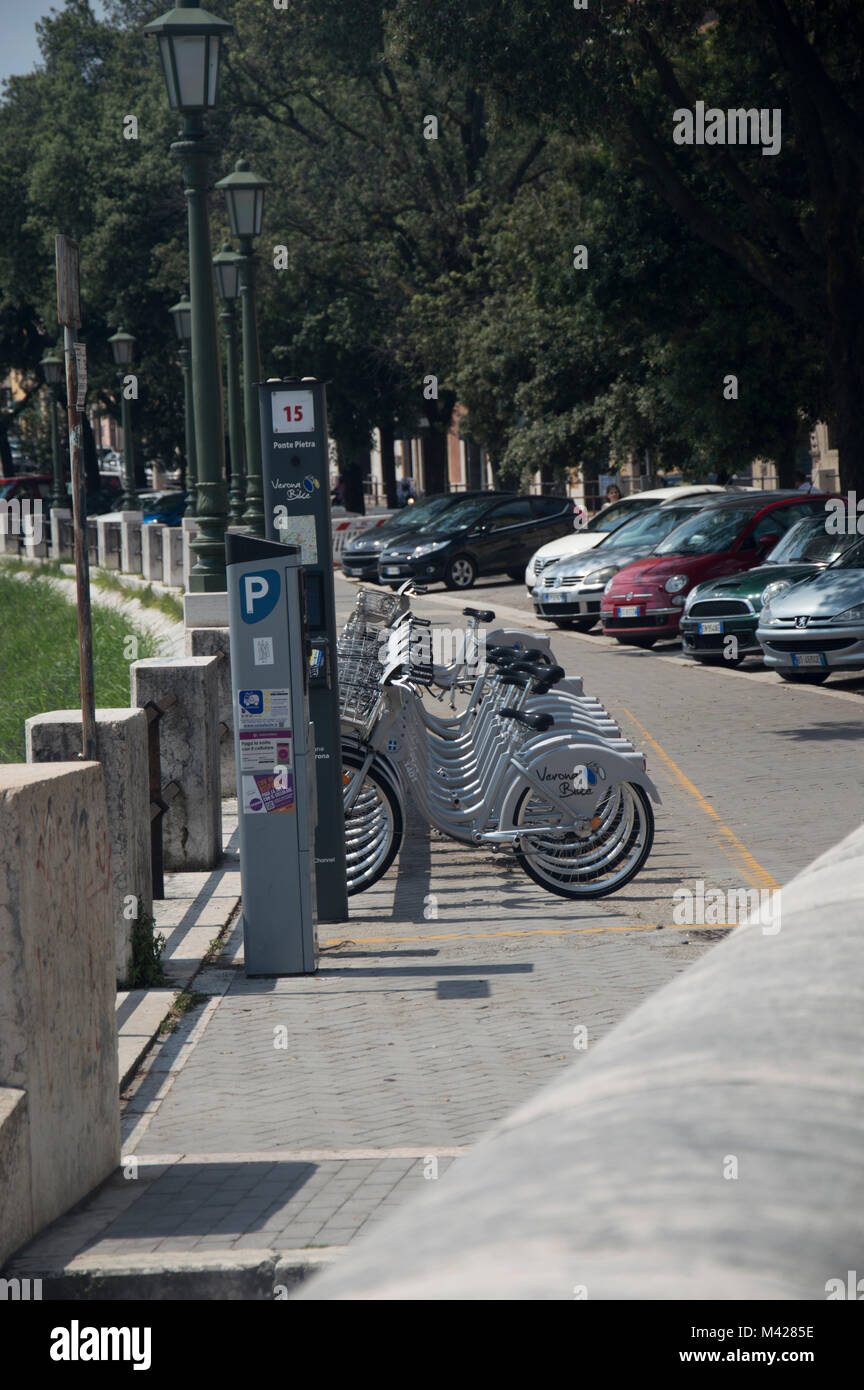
x,y
851,559
420,514
612,517
464,512
709,532
808,541
650,525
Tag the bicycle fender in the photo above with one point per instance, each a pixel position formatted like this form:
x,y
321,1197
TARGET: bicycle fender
x,y
575,774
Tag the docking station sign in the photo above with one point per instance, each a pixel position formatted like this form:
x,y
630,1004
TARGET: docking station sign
x,y
295,466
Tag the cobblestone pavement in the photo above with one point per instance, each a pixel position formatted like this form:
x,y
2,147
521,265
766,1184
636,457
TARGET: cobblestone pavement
x,y
295,1112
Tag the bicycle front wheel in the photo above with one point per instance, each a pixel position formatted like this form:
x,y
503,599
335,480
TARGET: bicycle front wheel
x,y
373,824
615,845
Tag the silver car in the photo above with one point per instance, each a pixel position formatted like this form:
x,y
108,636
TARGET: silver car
x,y
817,626
569,590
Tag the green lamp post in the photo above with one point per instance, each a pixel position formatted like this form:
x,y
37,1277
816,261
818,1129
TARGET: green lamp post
x,y
227,266
244,200
181,312
54,371
123,348
189,44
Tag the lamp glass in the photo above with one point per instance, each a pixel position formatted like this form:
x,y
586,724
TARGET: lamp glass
x,y
182,316
227,279
190,58
54,370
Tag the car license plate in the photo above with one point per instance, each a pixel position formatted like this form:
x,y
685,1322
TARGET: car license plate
x,y
809,659
391,569
553,597
351,571
706,628
630,612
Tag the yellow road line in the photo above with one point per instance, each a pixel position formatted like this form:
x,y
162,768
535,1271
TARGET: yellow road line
x,y
735,851
534,931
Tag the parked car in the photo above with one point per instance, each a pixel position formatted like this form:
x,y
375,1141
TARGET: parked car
x,y
360,556
730,607
481,535
26,486
569,591
645,599
817,626
607,521
166,508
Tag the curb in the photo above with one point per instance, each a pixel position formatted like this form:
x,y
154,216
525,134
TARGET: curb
x,y
253,1275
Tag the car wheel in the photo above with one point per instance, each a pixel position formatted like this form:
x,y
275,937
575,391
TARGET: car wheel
x,y
516,575
644,642
460,572
804,677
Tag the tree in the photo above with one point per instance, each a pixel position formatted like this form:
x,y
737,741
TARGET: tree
x,y
619,71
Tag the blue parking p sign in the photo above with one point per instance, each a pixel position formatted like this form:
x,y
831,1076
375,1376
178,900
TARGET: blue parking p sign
x,y
259,594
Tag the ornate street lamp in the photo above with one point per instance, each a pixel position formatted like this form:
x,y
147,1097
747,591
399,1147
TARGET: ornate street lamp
x,y
123,348
189,45
244,200
181,312
54,371
227,266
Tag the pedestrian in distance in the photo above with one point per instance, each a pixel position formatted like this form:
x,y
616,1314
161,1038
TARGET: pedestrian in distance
x,y
802,482
612,494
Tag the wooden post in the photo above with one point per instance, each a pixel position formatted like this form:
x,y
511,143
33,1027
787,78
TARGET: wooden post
x,y
69,317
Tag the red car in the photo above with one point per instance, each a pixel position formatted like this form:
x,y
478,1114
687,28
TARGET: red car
x,y
26,485
643,602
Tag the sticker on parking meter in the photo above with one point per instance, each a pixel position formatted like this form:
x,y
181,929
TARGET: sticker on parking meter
x,y
293,412
265,792
264,751
262,648
266,711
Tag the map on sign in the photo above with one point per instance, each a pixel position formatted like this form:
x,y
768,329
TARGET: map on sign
x,y
293,412
300,530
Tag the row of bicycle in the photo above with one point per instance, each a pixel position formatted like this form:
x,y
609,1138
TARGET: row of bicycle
x,y
523,761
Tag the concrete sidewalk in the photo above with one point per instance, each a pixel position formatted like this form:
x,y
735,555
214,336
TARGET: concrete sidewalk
x,y
196,909
284,1116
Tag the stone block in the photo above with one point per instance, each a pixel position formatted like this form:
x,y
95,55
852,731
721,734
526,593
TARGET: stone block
x,y
109,540
189,751
215,641
131,542
58,1031
152,550
59,551
206,610
16,1205
172,557
121,746
189,527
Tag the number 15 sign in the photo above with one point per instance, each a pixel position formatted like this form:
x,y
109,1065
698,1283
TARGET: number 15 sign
x,y
293,412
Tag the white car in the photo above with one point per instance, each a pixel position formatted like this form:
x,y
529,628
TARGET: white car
x,y
603,523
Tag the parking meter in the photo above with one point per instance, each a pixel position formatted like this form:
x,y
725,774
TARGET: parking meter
x,y
295,466
275,755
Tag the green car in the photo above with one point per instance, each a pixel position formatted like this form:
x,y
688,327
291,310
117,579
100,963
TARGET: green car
x,y
729,608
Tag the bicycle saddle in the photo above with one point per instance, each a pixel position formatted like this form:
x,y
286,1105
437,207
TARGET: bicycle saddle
x,y
483,615
539,722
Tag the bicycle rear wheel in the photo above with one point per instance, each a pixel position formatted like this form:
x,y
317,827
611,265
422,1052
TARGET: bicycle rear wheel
x,y
373,825
603,860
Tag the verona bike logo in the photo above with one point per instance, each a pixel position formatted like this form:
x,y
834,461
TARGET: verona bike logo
x,y
579,781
